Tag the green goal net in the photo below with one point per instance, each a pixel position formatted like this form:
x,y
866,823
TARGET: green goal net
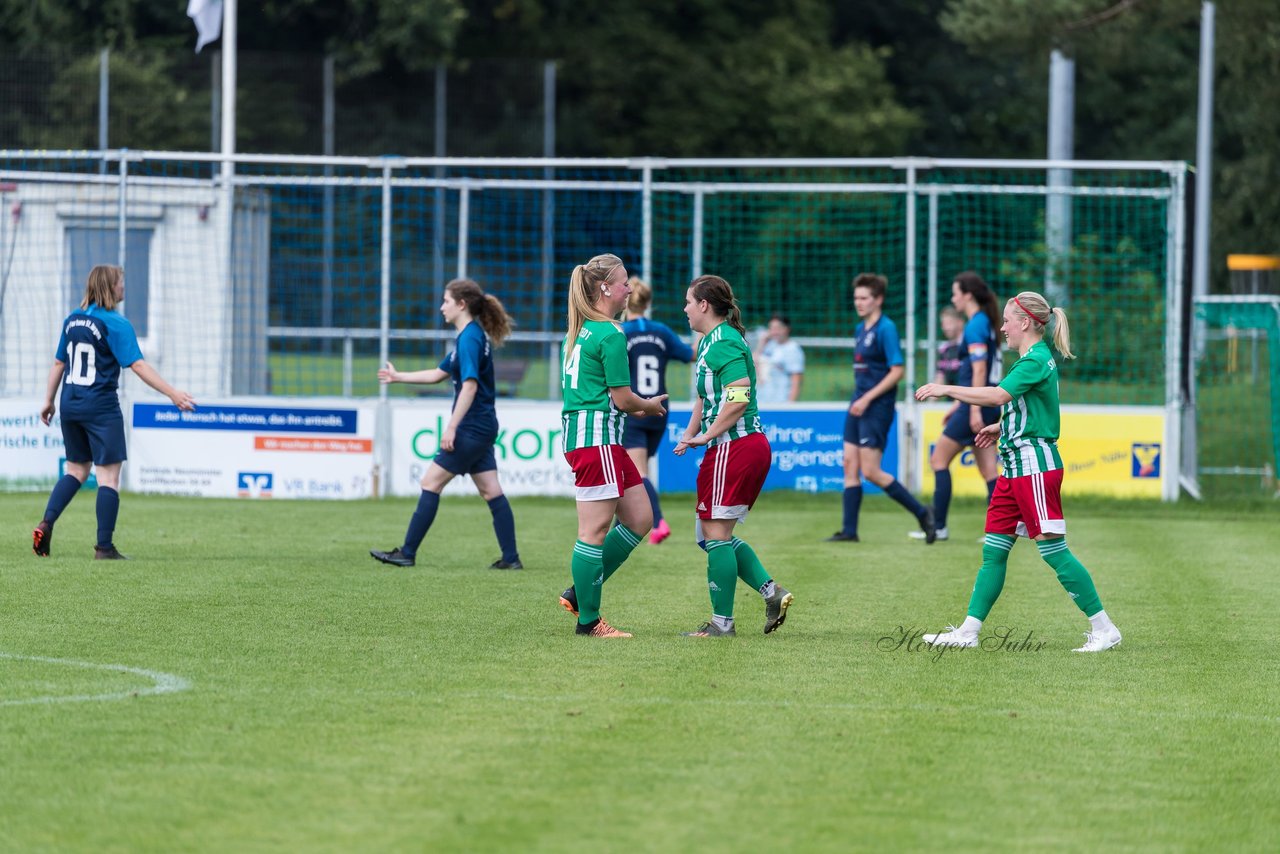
x,y
1237,405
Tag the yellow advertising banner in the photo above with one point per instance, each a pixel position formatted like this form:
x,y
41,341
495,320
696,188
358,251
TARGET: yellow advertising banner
x,y
1107,450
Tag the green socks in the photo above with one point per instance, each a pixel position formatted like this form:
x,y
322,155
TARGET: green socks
x,y
990,580
1071,574
750,569
722,576
588,578
618,546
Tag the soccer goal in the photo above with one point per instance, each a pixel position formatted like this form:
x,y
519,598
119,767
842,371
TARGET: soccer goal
x,y
1237,405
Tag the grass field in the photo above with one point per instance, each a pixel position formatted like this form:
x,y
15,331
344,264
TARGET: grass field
x,y
318,701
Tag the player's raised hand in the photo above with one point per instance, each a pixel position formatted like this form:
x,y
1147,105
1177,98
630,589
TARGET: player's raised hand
x,y
388,374
930,390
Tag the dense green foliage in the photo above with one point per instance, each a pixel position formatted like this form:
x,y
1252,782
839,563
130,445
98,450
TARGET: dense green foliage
x,y
700,78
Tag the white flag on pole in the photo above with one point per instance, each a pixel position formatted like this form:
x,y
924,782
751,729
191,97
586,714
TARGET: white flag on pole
x,y
207,15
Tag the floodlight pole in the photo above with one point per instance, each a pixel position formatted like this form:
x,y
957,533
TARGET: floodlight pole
x,y
1057,223
229,17
1204,164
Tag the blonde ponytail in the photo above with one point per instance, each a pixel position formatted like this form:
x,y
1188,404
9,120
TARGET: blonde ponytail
x,y
584,295
1031,305
1061,334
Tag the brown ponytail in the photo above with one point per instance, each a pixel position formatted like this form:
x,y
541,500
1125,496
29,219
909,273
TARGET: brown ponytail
x,y
485,308
719,295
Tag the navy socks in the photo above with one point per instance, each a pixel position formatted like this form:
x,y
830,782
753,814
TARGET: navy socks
x,y
63,491
852,504
942,496
653,501
899,493
420,523
108,509
504,527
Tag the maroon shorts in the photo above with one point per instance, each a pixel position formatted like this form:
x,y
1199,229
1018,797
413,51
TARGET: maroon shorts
x,y
1027,506
731,477
602,472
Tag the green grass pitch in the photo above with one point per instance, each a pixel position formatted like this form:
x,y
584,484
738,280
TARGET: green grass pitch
x,y
335,704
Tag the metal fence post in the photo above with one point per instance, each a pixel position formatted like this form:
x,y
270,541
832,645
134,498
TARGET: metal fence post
x,y
326,271
384,324
646,222
104,102
122,210
464,228
548,219
695,262
931,357
906,451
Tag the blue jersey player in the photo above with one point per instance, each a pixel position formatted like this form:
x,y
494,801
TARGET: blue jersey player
x,y
650,345
877,369
96,342
979,366
466,447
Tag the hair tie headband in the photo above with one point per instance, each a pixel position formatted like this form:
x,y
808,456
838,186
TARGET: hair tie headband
x,y
1030,314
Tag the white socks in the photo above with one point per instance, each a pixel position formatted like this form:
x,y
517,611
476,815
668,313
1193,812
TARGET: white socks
x,y
1102,623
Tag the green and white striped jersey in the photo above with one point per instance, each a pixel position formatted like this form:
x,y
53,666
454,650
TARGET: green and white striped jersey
x,y
597,363
1029,423
723,357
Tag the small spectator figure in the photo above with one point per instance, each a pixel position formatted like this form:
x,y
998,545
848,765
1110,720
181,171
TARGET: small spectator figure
x,y
951,352
780,362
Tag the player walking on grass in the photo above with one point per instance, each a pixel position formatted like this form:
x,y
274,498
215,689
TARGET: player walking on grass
x,y
650,346
467,444
732,473
877,369
596,384
96,342
979,366
1027,500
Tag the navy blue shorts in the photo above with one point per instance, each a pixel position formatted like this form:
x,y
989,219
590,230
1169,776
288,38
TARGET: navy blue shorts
x,y
100,439
644,433
471,454
957,426
871,429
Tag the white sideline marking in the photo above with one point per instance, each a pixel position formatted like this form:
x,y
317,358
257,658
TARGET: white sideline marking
x,y
165,683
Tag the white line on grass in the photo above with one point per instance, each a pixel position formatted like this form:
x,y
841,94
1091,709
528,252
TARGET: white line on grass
x,y
164,683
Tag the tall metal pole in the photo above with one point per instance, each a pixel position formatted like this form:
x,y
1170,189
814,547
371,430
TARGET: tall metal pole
x,y
931,356
549,221
437,219
384,322
228,127
215,101
104,95
906,450
464,229
326,273
1057,221
1204,163
646,223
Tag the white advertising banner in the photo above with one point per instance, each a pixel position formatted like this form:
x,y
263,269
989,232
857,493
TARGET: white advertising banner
x,y
293,449
527,450
31,456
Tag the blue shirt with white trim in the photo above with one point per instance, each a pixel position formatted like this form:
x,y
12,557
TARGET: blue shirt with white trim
x,y
95,344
